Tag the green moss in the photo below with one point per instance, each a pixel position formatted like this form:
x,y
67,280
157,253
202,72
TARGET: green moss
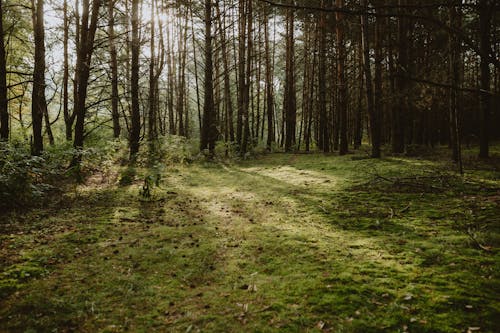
x,y
285,242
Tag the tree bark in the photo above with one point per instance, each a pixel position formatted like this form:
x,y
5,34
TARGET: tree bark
x,y
209,129
290,107
269,85
4,104
342,97
38,101
485,102
114,70
135,130
324,136
400,112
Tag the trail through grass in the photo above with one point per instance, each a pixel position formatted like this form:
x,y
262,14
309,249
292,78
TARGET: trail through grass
x,y
288,243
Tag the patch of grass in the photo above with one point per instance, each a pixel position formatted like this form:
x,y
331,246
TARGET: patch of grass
x,y
285,242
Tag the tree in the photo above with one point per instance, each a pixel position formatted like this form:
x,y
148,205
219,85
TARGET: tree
x,y
88,27
269,85
454,73
38,101
323,137
485,33
342,84
400,112
289,104
209,129
114,70
135,130
375,132
4,104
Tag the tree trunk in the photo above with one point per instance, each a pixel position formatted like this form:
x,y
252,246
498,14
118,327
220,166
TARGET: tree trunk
x,y
135,131
290,107
67,117
84,57
4,104
114,71
209,128
246,93
484,32
400,112
269,85
152,124
342,84
454,73
324,136
241,72
38,101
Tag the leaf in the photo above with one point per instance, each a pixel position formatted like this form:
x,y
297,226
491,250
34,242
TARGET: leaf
x,y
320,324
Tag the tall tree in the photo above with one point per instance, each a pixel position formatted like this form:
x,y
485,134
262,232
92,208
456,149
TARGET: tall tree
x,y
269,84
227,80
454,73
135,130
324,136
245,140
209,129
115,115
68,118
38,100
4,112
485,35
152,123
400,112
88,27
341,77
289,105
376,122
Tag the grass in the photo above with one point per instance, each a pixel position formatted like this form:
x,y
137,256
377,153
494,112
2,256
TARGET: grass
x,y
285,242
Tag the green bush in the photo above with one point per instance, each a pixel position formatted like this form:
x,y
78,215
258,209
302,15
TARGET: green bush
x,y
21,176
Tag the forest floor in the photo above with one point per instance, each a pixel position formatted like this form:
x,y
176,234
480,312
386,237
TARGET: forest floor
x,y
285,242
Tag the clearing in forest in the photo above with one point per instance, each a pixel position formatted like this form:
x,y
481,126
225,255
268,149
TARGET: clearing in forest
x,y
288,243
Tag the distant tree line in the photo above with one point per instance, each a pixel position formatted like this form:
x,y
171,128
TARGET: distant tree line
x,y
288,75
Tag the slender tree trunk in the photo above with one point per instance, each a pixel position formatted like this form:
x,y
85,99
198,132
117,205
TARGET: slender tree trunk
x,y
170,93
454,72
376,126
342,97
269,85
209,128
67,116
324,135
290,107
114,70
152,124
39,103
241,71
182,80
485,103
400,113
48,127
4,104
195,61
246,121
135,131
85,49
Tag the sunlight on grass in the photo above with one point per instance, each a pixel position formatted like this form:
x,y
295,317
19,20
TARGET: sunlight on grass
x,y
277,244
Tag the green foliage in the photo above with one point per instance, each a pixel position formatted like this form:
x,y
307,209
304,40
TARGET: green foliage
x,y
21,176
127,176
168,150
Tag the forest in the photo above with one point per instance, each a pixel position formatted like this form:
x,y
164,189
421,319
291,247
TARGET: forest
x,y
249,166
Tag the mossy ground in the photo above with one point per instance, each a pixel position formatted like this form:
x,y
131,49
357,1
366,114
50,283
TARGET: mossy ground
x,y
285,242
